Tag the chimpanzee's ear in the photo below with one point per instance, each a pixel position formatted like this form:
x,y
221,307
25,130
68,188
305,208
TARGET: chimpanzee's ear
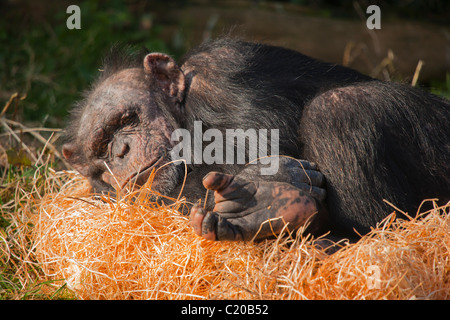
x,y
164,72
68,151
73,156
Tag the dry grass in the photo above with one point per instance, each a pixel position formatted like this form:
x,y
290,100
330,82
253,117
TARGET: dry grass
x,y
137,250
54,236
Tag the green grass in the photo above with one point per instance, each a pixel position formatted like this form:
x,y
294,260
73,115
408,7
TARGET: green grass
x,y
441,88
50,64
19,280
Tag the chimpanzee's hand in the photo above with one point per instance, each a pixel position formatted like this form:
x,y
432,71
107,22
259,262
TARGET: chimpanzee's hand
x,y
302,174
246,209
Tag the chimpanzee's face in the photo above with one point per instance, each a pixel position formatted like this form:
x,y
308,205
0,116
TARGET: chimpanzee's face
x,y
123,135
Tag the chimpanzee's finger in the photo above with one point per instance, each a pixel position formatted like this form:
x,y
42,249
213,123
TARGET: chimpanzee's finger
x,y
216,227
217,181
247,228
211,226
312,177
318,193
307,165
196,218
203,223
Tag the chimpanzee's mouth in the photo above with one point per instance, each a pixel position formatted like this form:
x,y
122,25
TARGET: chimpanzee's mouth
x,y
140,177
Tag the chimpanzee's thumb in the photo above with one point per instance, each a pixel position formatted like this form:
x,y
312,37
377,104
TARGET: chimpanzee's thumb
x,y
217,181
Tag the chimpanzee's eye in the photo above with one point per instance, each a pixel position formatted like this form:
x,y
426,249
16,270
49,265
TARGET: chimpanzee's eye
x,y
103,148
101,139
128,118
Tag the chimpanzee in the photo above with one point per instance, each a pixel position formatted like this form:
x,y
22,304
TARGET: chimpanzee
x,y
366,142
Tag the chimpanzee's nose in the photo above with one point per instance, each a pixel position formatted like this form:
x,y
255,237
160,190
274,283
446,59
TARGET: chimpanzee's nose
x,y
122,150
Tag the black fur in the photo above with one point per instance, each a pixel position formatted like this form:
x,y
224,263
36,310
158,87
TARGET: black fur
x,y
259,86
378,141
372,140
118,58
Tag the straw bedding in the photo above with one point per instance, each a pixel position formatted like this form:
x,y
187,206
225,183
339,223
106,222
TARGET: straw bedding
x,y
134,249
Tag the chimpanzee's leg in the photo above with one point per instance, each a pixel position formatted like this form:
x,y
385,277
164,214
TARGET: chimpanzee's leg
x,y
377,141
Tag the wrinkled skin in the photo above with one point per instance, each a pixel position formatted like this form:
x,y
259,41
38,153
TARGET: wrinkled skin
x,y
248,206
124,136
246,210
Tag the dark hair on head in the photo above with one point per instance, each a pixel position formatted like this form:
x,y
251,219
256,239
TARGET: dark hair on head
x,y
119,57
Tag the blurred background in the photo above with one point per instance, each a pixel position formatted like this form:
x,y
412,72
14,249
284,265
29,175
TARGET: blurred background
x,y
44,66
